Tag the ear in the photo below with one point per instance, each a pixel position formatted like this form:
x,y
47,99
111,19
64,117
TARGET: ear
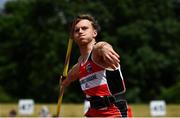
x,y
94,33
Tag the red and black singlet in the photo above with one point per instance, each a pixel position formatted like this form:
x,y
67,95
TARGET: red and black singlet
x,y
98,81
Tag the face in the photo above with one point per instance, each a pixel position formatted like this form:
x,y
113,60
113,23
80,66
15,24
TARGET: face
x,y
84,32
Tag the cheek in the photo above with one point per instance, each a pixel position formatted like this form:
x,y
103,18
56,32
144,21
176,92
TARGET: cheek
x,y
75,35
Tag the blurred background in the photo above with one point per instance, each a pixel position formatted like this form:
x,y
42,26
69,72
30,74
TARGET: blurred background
x,y
33,43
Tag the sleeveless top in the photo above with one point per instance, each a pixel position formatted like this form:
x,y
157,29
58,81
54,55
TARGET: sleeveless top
x,y
98,81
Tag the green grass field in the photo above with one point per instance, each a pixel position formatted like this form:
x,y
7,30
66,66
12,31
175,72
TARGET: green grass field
x,y
76,110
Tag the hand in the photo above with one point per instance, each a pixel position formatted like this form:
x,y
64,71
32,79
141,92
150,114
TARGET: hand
x,y
64,81
110,57
104,55
73,75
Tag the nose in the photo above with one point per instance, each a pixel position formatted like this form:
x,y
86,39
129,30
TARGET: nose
x,y
80,30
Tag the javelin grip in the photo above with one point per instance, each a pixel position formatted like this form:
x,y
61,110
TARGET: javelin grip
x,y
62,78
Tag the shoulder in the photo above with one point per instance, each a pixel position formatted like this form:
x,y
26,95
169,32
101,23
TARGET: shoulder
x,y
74,72
74,69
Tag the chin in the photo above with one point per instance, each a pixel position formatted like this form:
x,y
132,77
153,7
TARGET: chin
x,y
83,43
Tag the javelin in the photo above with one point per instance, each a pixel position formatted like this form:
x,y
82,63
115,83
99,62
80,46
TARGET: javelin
x,y
65,72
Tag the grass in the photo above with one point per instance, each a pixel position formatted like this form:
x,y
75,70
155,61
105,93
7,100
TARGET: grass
x,y
76,110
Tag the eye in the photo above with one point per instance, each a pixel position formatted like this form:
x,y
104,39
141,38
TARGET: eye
x,y
84,28
76,30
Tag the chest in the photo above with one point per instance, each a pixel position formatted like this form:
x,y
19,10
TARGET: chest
x,y
89,68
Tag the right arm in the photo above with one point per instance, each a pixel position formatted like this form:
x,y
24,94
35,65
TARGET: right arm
x,y
73,75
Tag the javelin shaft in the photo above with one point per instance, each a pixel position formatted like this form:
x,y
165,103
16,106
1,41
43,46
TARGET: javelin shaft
x,y
65,72
68,54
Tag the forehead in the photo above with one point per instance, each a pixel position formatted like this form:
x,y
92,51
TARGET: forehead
x,y
83,22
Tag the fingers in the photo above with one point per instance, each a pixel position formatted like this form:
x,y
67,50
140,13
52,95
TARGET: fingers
x,y
65,83
115,57
114,53
105,55
111,58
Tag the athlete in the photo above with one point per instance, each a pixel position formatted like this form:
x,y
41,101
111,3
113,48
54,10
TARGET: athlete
x,y
98,70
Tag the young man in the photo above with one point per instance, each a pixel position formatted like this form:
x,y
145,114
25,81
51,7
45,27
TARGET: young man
x,y
98,71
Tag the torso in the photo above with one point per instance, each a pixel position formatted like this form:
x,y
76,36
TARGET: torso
x,y
92,79
94,82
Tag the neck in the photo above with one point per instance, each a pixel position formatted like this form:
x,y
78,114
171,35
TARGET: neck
x,y
85,50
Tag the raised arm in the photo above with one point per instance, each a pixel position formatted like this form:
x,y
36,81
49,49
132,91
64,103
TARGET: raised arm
x,y
104,54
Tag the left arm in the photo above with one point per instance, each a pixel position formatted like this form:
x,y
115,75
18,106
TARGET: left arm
x,y
104,54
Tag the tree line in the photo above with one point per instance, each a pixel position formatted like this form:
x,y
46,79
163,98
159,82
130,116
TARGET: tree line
x,y
34,36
